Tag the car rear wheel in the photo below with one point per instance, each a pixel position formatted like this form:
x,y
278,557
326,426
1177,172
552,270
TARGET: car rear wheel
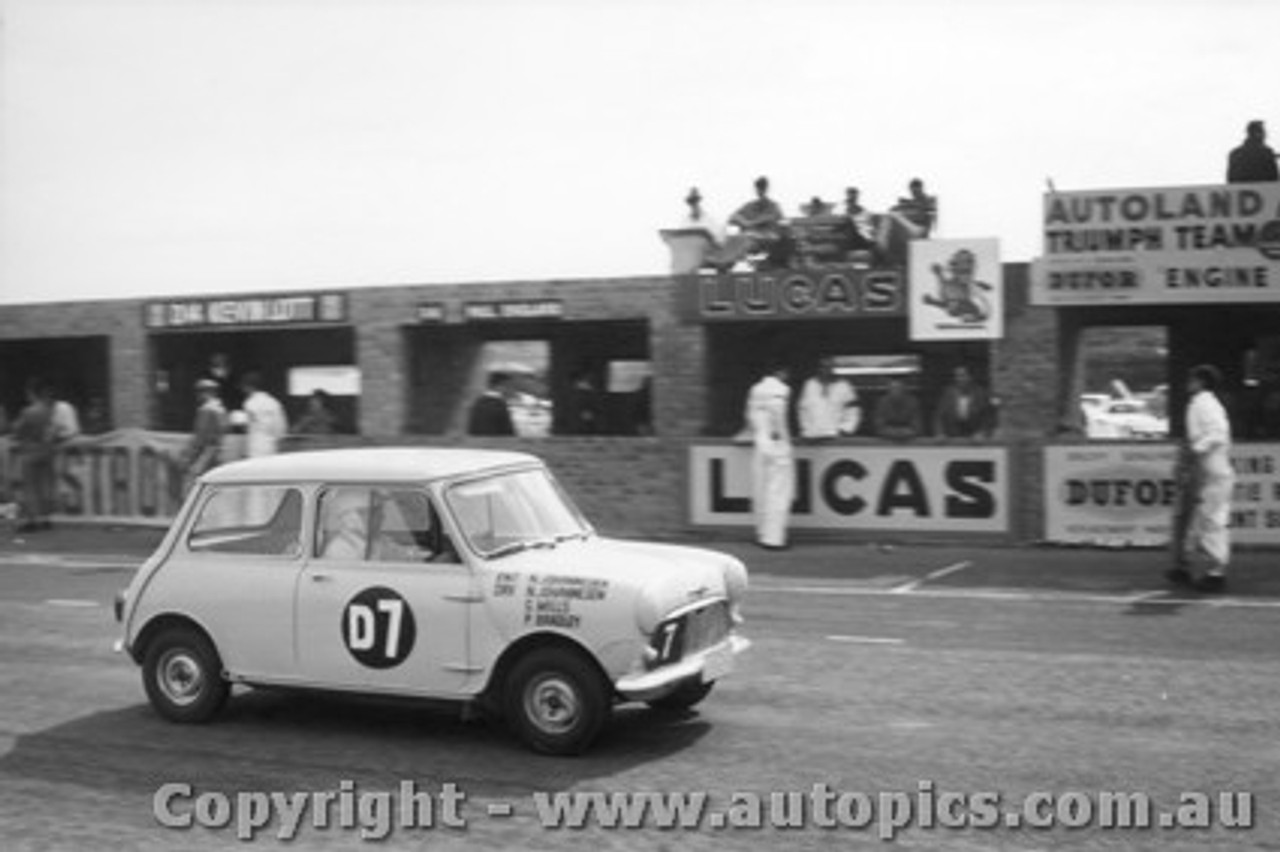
x,y
556,701
685,696
182,674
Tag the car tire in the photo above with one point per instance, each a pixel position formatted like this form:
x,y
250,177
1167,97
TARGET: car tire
x,y
685,696
182,674
556,701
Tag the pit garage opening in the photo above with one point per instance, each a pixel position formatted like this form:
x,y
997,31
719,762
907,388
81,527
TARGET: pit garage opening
x,y
1127,366
296,343
868,352
79,369
570,377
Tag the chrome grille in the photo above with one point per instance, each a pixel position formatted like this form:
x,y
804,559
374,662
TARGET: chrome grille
x,y
691,632
706,627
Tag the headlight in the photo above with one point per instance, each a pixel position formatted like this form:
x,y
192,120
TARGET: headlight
x,y
647,613
735,579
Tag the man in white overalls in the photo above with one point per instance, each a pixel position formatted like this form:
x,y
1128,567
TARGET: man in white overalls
x,y
268,422
772,466
1209,438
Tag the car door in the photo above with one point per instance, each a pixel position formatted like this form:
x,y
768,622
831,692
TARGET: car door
x,y
383,602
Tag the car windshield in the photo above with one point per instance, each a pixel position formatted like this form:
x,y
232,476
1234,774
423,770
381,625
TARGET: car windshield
x,y
511,512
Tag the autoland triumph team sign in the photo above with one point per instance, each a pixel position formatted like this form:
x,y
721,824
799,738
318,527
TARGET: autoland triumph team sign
x,y
1171,245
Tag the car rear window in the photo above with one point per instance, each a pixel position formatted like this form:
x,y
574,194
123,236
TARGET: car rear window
x,y
263,520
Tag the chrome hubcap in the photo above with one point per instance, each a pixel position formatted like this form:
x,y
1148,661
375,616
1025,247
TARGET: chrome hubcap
x,y
180,676
552,703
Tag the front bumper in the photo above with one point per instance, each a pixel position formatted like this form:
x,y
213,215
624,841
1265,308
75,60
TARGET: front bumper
x,y
709,664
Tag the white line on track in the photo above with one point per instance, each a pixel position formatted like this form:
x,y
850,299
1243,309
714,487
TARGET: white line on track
x,y
75,603
866,640
932,575
56,560
1150,598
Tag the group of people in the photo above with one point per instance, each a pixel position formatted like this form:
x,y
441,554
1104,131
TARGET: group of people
x,y
233,418
1201,540
764,234
828,408
238,417
260,418
45,424
582,410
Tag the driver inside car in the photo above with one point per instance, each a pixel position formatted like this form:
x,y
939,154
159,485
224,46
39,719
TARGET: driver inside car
x,y
380,527
346,525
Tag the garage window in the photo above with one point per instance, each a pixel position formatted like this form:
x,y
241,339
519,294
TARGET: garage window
x,y
1124,393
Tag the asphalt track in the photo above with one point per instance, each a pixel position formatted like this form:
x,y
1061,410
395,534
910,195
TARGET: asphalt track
x,y
855,567
942,667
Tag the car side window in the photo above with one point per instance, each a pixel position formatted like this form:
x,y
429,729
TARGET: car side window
x,y
259,520
343,528
407,528
380,525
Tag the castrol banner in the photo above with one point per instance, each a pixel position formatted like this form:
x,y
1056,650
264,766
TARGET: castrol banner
x,y
1124,494
127,476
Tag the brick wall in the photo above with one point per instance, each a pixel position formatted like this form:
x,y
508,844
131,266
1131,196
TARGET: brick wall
x,y
629,485
120,321
1027,375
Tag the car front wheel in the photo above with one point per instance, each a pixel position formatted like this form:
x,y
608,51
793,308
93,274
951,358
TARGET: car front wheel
x,y
556,701
182,674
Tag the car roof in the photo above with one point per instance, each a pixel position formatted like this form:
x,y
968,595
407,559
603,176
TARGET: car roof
x,y
367,464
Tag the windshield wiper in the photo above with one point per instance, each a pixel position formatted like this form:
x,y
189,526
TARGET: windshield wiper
x,y
521,546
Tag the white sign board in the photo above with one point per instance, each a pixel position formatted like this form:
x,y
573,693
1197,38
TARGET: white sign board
x,y
956,290
1120,494
1171,245
954,489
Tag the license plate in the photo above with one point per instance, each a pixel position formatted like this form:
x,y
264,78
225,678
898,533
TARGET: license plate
x,y
717,664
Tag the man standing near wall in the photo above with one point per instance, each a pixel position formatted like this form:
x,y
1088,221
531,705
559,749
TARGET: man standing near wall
x,y
490,413
772,465
965,410
33,435
267,420
1209,439
203,452
897,415
828,405
66,420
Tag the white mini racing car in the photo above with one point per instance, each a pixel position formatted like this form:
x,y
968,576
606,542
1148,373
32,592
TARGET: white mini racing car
x,y
453,574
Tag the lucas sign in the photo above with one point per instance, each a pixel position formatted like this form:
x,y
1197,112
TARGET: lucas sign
x,y
949,489
1172,245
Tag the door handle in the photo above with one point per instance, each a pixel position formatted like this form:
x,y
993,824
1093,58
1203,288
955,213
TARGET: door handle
x,y
320,578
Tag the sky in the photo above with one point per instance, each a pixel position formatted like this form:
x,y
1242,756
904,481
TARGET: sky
x,y
175,147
